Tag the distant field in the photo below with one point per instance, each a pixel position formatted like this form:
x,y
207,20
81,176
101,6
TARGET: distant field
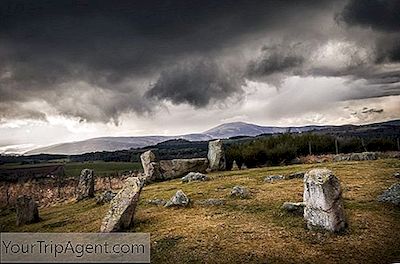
x,y
101,168
253,230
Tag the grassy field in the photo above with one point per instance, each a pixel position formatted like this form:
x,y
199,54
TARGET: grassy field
x,y
73,169
252,230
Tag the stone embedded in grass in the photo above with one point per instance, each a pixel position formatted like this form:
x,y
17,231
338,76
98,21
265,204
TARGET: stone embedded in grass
x,y
397,175
391,195
211,202
105,197
356,156
240,192
216,155
295,208
179,199
27,210
273,178
157,201
323,201
85,185
296,175
122,207
194,176
171,169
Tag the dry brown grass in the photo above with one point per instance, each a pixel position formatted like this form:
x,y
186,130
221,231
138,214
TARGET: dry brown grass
x,y
255,229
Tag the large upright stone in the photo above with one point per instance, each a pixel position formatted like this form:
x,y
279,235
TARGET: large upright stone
x,y
122,207
323,201
85,185
27,210
216,155
151,166
171,169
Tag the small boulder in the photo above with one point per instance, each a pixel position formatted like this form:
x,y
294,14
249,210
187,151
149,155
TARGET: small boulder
x,y
105,197
296,175
157,202
194,176
27,210
294,208
85,185
273,178
122,207
391,195
240,192
397,175
179,199
211,202
323,201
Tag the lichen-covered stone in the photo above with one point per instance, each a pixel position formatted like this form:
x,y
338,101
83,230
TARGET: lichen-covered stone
x,y
122,207
172,169
179,199
194,176
151,166
26,210
86,185
216,155
391,195
240,192
273,178
323,201
157,201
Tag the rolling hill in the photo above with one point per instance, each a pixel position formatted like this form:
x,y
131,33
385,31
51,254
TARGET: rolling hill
x,y
226,130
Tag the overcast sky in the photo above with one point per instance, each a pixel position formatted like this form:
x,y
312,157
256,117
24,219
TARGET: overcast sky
x,y
75,69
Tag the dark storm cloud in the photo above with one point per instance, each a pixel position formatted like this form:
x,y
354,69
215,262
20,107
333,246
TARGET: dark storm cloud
x,y
379,14
196,83
49,48
382,16
99,59
275,59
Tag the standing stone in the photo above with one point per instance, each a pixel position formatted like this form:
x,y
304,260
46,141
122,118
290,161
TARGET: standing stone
x,y
323,201
27,210
151,166
85,185
216,155
122,207
235,166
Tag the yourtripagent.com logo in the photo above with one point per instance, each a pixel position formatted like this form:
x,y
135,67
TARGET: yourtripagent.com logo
x,y
79,247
